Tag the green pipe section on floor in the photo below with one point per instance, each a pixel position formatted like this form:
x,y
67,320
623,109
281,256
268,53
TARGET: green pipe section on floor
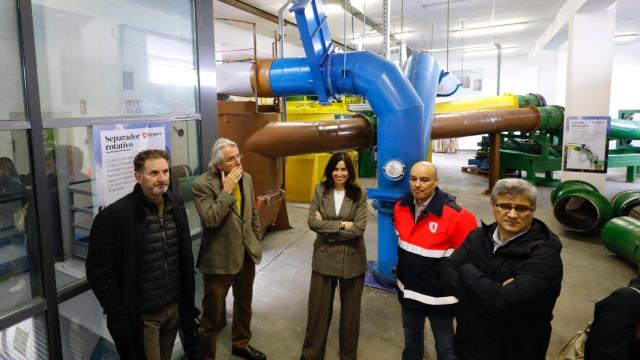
x,y
624,201
579,206
621,236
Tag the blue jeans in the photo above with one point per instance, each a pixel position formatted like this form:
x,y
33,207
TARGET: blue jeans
x,y
413,324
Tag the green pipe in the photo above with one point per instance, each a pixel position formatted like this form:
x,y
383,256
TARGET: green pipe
x,y
531,100
624,201
551,117
625,129
579,206
570,184
621,236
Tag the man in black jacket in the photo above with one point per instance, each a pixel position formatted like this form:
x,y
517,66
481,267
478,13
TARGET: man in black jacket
x,y
140,266
507,277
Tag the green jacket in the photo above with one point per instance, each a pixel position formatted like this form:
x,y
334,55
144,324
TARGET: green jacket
x,y
226,234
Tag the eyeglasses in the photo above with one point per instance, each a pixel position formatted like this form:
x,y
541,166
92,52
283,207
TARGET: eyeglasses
x,y
233,158
520,209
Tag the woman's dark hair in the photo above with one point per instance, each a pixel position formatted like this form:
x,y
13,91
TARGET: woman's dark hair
x,y
352,191
8,167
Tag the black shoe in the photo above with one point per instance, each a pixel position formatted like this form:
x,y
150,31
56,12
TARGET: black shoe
x,y
249,353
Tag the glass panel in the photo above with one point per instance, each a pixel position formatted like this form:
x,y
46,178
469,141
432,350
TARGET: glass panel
x,y
11,94
184,154
84,329
18,229
85,334
26,340
110,58
71,162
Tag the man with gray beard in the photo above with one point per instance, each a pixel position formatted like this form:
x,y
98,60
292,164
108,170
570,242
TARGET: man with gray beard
x,y
140,266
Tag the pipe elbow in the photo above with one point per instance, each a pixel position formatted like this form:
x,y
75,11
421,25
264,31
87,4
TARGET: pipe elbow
x,y
372,76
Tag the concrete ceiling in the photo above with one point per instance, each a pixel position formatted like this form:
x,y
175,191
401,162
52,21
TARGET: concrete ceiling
x,y
425,22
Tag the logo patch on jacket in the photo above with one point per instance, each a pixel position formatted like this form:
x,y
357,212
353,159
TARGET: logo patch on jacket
x,y
433,226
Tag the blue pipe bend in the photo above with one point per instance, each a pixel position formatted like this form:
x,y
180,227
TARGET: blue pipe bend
x,y
401,123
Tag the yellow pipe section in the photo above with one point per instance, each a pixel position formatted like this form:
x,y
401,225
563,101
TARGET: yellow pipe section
x,y
506,101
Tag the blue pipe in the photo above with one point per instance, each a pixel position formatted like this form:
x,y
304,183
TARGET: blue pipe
x,y
424,73
401,125
291,76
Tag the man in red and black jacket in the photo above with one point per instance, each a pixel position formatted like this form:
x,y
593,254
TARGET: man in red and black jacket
x,y
430,226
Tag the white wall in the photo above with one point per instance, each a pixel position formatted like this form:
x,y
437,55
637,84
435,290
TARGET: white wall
x,y
520,77
625,81
83,48
230,38
625,78
517,77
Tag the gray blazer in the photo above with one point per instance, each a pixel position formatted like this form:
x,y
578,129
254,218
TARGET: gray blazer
x,y
338,252
226,234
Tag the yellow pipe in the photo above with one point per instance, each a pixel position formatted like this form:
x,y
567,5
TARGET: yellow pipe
x,y
506,101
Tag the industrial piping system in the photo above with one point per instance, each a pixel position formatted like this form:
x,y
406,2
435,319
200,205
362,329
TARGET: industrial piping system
x,y
398,108
424,74
501,102
295,138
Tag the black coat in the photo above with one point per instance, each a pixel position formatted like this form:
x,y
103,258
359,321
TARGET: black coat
x,y
112,272
510,322
615,322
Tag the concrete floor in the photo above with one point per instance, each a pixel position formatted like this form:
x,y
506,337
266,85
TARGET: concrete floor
x,y
282,280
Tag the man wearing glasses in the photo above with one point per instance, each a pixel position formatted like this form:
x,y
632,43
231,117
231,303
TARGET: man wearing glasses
x,y
507,277
229,250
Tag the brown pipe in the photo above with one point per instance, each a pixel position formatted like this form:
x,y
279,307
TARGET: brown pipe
x,y
469,123
295,138
260,77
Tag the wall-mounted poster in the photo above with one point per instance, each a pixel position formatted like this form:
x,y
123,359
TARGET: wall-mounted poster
x,y
115,147
585,144
471,79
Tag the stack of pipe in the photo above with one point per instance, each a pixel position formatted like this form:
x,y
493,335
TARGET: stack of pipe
x,y
621,235
580,207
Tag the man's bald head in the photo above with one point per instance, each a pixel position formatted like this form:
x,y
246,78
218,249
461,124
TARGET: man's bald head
x,y
426,165
423,181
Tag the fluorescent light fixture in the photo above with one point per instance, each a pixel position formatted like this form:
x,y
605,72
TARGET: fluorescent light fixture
x,y
472,31
624,37
474,48
376,37
487,52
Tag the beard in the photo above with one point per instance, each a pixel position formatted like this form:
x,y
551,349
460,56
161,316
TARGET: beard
x,y
160,189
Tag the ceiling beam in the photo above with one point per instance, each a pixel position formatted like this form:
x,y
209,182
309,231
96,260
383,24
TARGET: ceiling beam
x,y
557,33
367,20
241,5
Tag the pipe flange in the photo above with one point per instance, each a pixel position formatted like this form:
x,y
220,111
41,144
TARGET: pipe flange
x,y
394,170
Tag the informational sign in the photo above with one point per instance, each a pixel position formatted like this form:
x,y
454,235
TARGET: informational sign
x,y
585,144
115,147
